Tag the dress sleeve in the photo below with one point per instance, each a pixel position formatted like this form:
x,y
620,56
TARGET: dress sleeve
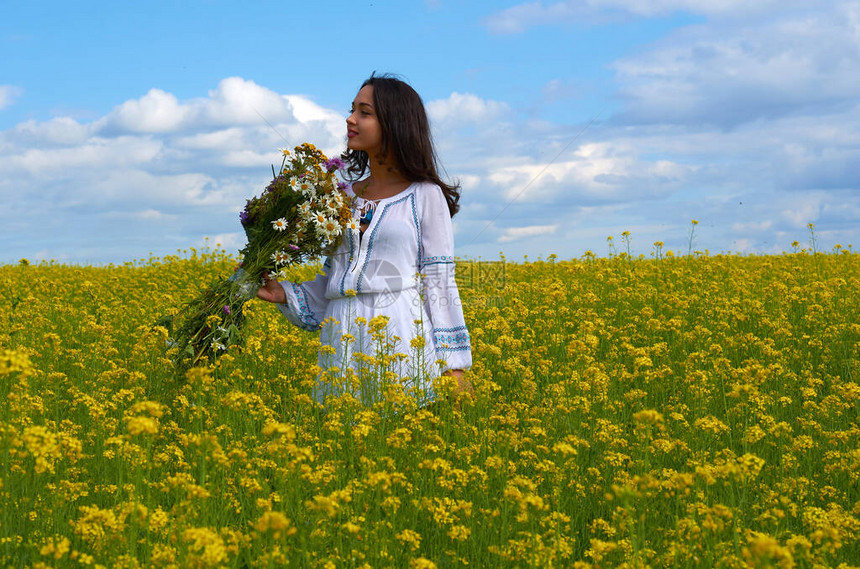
x,y
441,297
306,302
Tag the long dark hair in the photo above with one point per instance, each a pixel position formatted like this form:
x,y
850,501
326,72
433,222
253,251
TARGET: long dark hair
x,y
405,135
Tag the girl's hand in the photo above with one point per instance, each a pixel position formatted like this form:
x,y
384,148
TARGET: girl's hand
x,y
463,384
272,291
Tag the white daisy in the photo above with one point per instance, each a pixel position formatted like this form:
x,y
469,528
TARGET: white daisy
x,y
332,228
331,206
280,257
279,224
326,237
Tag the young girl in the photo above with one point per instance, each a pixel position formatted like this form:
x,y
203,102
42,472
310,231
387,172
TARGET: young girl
x,y
397,258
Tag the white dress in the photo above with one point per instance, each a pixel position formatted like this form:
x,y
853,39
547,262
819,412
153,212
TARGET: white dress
x,y
402,267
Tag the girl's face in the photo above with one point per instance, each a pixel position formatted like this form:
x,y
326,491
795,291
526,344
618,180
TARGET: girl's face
x,y
362,125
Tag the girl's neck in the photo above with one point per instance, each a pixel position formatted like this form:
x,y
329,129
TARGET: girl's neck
x,y
384,182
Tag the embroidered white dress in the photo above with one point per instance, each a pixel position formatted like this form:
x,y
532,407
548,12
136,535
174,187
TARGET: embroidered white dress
x,y
401,267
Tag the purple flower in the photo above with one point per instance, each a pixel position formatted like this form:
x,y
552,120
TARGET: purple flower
x,y
342,186
226,309
243,217
334,164
294,247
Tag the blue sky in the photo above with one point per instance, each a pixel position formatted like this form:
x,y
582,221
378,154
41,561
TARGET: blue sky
x,y
130,129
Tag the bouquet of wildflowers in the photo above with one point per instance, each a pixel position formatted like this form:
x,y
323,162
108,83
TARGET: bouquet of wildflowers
x,y
299,217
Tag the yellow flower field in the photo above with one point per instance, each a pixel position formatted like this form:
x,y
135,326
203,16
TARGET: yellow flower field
x,y
674,411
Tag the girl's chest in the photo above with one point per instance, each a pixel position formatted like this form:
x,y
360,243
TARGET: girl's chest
x,y
391,230
388,219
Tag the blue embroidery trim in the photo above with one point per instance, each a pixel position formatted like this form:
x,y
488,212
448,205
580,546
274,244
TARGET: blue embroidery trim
x,y
351,251
444,337
454,329
438,260
457,349
373,236
305,314
461,338
417,229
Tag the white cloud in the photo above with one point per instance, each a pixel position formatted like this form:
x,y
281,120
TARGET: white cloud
x,y
695,140
521,17
91,153
518,18
751,128
732,72
239,101
305,110
60,131
752,226
155,173
140,188
559,89
142,215
231,137
229,242
8,94
803,210
743,245
517,233
235,101
156,111
596,173
464,109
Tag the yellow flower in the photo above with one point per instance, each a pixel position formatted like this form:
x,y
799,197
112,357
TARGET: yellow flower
x,y
350,527
459,533
158,520
56,548
378,323
15,361
276,429
564,449
275,522
43,445
142,425
151,408
711,425
205,546
648,417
